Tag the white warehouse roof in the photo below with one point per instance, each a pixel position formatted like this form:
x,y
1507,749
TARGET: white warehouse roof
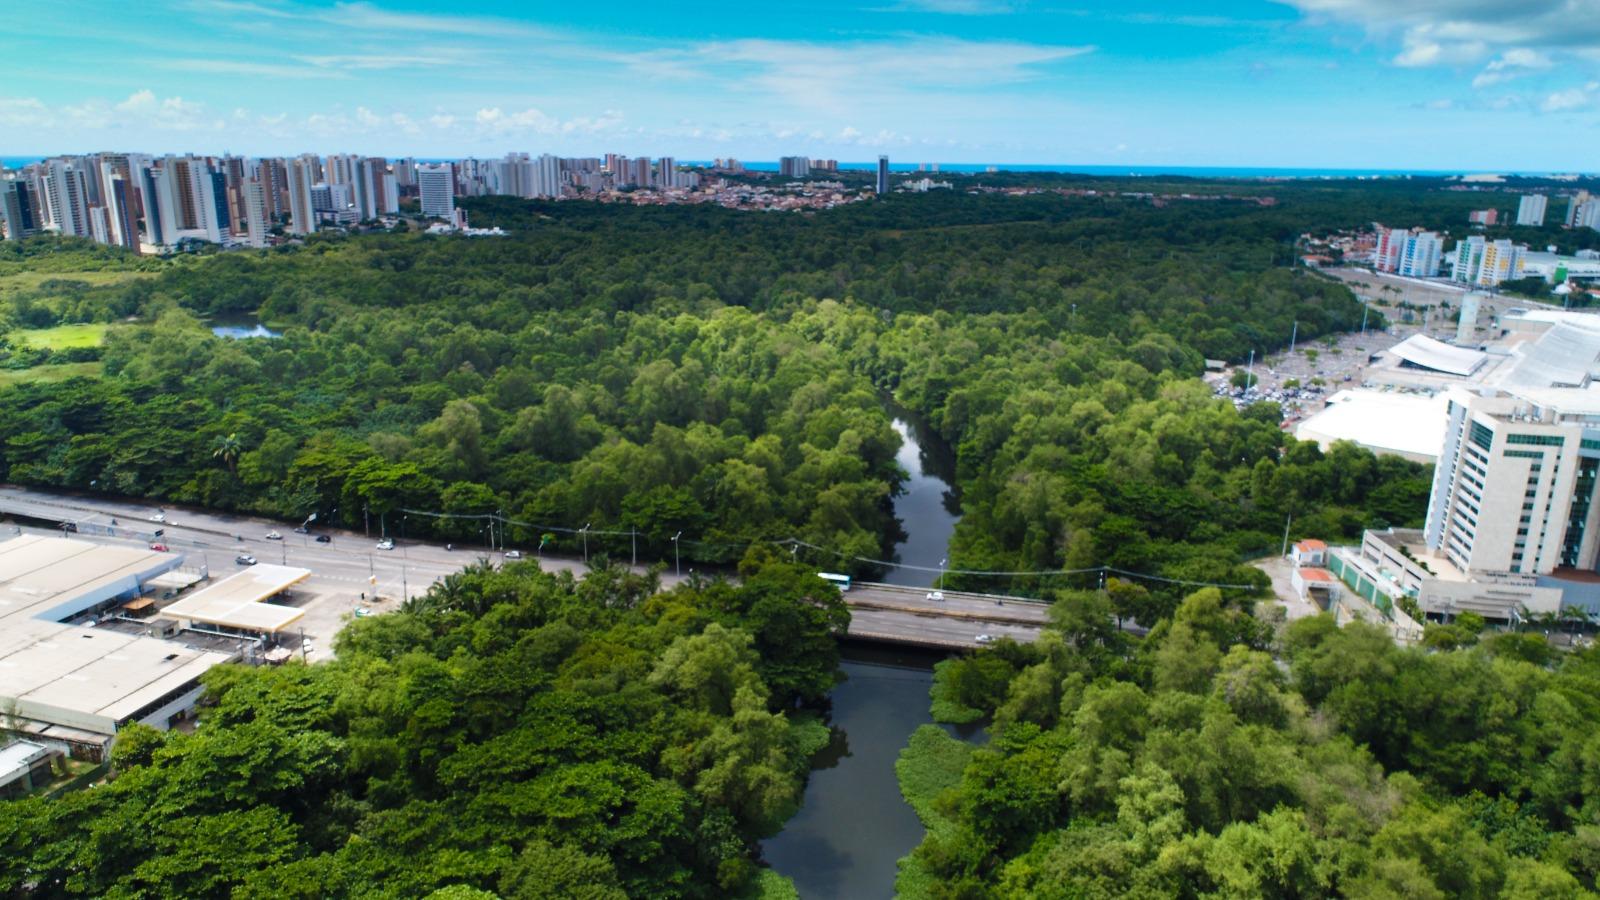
x,y
1407,425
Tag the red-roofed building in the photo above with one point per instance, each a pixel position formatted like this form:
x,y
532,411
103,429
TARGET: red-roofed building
x,y
1309,553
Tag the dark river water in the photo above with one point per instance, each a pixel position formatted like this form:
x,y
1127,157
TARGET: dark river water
x,y
928,509
855,826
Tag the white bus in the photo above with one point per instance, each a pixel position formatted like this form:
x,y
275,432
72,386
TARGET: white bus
x,y
842,582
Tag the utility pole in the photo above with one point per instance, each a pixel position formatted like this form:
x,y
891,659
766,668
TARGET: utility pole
x,y
942,561
585,533
633,538
1295,333
303,657
1364,310
677,567
1286,521
366,521
1250,371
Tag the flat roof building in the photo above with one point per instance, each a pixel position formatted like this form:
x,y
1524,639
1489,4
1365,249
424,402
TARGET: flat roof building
x,y
239,601
1400,424
77,683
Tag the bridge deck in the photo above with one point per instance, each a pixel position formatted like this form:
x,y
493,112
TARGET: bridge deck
x,y
902,615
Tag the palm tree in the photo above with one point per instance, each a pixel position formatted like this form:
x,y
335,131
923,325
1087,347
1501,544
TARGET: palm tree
x,y
227,448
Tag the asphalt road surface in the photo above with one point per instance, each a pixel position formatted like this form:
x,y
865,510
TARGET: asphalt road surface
x,y
346,567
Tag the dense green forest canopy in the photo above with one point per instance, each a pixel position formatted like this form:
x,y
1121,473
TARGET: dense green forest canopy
x,y
1195,764
510,731
719,375
716,374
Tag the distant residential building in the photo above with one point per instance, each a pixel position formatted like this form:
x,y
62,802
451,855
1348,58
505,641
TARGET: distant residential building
x,y
1487,263
66,195
1484,216
1404,252
257,222
794,166
883,175
1531,209
436,184
122,218
1575,205
18,209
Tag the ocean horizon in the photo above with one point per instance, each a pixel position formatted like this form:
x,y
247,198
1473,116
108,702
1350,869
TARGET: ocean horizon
x,y
1145,171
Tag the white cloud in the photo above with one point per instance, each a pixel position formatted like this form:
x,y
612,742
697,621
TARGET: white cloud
x,y
1570,99
1509,65
1453,32
23,112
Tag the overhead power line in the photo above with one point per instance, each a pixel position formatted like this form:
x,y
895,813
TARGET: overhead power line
x,y
797,542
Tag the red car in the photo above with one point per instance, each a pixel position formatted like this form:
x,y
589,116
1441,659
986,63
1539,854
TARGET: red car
x,y
160,548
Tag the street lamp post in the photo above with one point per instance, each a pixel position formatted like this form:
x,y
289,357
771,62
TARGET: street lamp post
x,y
677,567
585,532
942,561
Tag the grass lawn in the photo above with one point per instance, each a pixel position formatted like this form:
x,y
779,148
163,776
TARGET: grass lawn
x,y
18,282
49,374
63,337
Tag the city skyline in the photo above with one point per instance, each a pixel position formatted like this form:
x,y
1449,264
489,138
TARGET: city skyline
x,y
1457,86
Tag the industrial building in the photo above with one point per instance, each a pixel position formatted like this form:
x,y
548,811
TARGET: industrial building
x,y
69,680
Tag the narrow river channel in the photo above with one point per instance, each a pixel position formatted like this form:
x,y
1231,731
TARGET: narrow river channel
x,y
855,826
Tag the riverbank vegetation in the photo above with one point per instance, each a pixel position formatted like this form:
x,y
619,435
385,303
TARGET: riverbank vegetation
x,y
510,731
1193,764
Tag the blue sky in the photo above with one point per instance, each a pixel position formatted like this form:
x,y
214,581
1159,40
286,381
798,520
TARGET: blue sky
x,y
1443,84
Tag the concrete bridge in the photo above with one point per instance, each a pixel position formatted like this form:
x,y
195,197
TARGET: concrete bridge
x,y
891,614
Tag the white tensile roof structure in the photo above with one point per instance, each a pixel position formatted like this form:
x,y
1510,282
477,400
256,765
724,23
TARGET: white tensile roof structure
x,y
1426,353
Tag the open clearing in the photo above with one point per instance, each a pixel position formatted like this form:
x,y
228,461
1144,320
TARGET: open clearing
x,y
18,282
63,337
49,374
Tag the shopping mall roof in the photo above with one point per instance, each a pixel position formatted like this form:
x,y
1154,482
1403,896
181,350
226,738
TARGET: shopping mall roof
x,y
239,601
1426,353
1402,424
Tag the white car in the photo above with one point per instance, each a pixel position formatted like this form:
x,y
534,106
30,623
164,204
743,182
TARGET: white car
x,y
936,596
984,638
159,517
513,554
274,536
386,544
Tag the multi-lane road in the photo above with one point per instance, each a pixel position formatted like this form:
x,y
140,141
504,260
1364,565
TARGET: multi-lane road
x,y
351,568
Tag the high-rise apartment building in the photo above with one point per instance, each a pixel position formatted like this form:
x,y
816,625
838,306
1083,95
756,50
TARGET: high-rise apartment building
x,y
1405,252
302,176
436,183
1487,263
1531,209
794,166
18,211
122,220
257,221
883,175
66,195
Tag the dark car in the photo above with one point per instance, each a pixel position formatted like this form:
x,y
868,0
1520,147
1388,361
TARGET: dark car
x,y
324,539
301,529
